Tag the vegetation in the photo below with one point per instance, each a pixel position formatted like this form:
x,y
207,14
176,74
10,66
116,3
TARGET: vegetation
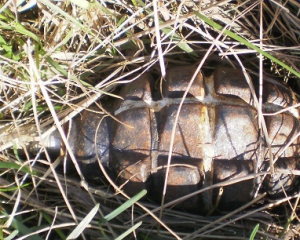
x,y
59,57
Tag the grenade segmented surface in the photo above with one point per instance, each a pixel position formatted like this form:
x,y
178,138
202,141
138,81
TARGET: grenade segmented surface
x,y
216,139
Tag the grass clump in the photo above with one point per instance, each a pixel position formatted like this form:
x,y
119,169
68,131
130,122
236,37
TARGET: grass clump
x,y
58,58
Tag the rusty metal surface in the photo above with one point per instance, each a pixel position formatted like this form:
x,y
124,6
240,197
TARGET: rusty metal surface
x,y
216,138
90,139
228,82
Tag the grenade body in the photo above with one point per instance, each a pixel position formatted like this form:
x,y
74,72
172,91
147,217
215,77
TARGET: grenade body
x,y
217,138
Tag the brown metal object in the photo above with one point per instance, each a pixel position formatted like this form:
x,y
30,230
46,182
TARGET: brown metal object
x,y
216,139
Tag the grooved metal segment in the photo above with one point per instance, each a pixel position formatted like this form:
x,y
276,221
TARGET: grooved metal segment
x,y
90,140
216,137
231,83
236,132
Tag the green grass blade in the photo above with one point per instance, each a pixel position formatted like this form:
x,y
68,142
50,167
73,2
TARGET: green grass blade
x,y
181,43
125,205
245,42
11,236
5,46
56,66
121,21
20,29
23,230
286,226
10,189
58,231
83,224
130,230
134,3
10,165
8,16
255,230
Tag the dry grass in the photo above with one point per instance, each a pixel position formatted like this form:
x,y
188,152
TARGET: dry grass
x,y
58,58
